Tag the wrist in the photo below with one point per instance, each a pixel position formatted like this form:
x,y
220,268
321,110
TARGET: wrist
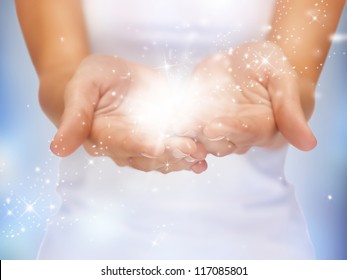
x,y
51,91
307,95
306,83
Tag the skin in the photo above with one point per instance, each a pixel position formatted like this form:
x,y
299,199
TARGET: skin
x,y
235,95
82,106
56,38
302,30
100,121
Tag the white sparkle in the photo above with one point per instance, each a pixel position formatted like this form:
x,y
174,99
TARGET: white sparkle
x,y
314,15
166,66
90,161
167,166
265,61
29,208
339,37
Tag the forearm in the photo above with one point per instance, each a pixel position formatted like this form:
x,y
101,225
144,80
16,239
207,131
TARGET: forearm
x,y
303,30
55,34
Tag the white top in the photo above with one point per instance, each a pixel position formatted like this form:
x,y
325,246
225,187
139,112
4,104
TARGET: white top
x,y
148,30
240,208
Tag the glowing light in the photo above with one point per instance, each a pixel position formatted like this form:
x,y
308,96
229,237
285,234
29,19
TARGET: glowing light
x,y
265,61
158,110
166,66
29,208
90,161
166,166
339,37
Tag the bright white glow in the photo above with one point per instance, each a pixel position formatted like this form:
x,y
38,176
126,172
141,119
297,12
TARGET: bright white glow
x,y
29,208
339,37
159,110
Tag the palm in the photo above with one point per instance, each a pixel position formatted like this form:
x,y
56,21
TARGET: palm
x,y
103,110
236,102
117,123
252,92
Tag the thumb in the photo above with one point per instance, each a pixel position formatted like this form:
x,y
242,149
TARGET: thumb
x,y
77,119
288,112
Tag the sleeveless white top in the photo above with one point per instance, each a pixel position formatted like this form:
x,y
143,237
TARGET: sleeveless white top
x,y
242,207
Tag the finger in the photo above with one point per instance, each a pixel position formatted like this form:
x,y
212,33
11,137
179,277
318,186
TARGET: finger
x,y
199,167
120,138
180,147
239,131
241,150
200,153
189,126
180,154
161,165
144,164
288,112
80,100
178,165
219,148
149,145
120,162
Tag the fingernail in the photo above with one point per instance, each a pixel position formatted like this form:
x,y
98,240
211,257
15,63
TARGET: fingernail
x,y
217,138
147,156
199,167
179,154
190,159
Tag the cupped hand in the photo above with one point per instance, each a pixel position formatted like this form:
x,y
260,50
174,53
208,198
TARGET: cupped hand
x,y
248,97
101,112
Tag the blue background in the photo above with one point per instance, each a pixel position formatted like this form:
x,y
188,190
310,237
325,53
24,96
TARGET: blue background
x,y
28,171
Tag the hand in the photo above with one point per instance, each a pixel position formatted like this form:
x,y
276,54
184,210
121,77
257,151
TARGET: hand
x,y
246,97
100,113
